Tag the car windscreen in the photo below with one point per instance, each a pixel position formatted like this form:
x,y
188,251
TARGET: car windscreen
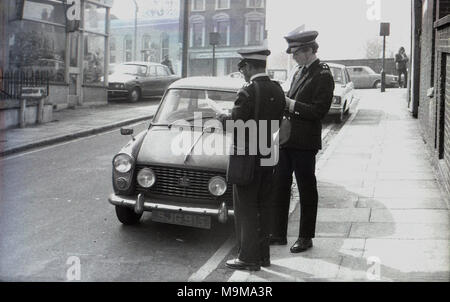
x,y
139,70
337,74
182,104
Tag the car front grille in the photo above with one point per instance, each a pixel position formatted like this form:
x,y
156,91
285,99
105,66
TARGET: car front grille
x,y
169,183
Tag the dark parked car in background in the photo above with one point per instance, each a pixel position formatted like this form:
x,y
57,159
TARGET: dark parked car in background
x,y
184,187
365,77
136,80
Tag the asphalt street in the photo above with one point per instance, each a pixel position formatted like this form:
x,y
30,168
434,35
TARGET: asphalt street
x,y
54,208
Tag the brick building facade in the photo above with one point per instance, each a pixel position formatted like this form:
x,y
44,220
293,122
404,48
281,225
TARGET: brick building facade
x,y
240,23
430,93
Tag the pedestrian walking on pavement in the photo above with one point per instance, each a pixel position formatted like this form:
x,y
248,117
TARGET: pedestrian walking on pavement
x,y
401,61
167,62
261,100
308,101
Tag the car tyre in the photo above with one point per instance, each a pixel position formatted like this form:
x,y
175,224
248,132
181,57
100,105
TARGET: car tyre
x,y
377,84
135,95
127,216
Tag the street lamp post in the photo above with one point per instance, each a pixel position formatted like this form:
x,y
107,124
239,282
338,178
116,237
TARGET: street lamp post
x,y
135,30
384,31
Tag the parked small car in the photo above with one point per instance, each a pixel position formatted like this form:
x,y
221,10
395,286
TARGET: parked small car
x,y
187,188
365,77
136,80
343,92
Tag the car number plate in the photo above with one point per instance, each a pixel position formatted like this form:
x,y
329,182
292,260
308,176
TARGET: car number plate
x,y
192,220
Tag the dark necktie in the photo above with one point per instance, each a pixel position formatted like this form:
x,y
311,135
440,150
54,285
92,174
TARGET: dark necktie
x,y
298,76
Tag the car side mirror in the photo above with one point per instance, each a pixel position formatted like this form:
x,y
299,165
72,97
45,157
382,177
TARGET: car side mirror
x,y
125,131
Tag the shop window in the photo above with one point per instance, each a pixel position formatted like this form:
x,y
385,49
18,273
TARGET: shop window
x,y
93,69
44,11
222,4
39,48
255,3
94,18
198,5
128,47
112,50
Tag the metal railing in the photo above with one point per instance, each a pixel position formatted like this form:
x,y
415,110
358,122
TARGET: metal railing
x,y
12,82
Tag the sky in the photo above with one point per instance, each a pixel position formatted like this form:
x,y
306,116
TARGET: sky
x,y
344,26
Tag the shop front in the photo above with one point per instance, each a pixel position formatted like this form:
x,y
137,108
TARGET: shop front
x,y
72,52
201,63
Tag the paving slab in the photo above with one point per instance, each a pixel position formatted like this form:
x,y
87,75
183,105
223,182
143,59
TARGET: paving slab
x,y
400,230
402,203
410,259
410,216
324,229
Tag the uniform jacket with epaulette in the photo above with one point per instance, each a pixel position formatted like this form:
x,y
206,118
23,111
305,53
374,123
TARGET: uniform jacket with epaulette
x,y
272,104
313,95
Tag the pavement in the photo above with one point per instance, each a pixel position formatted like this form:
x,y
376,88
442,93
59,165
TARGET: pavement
x,y
71,124
382,213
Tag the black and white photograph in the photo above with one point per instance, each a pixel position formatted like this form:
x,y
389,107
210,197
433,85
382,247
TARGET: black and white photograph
x,y
245,142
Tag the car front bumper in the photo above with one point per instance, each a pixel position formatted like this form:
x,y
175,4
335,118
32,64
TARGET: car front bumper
x,y
335,110
118,94
142,204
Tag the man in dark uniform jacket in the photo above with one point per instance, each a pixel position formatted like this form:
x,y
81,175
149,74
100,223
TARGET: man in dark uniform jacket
x,y
308,101
251,201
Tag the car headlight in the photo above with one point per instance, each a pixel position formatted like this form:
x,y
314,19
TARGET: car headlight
x,y
217,186
146,178
123,163
337,100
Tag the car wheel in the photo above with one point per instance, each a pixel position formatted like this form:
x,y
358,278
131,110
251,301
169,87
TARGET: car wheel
x,y
346,109
135,95
377,84
127,216
340,117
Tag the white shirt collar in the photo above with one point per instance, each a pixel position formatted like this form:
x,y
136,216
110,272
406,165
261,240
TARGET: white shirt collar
x,y
259,75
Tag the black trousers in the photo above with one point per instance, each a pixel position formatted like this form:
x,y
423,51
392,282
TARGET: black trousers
x,y
303,163
405,81
251,210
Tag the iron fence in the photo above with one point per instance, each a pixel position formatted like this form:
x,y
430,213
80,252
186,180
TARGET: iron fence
x,y
12,81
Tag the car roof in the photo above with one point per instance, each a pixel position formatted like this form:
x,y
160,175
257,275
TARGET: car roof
x,y
209,83
360,66
335,65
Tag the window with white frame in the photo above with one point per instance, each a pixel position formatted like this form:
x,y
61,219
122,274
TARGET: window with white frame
x,y
255,3
222,26
222,4
254,28
198,5
128,47
197,31
165,42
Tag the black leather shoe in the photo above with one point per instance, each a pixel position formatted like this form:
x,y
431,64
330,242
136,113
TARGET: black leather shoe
x,y
265,262
302,245
241,265
277,241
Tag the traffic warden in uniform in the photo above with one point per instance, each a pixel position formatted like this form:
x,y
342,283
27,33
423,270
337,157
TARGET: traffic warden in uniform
x,y
308,101
251,201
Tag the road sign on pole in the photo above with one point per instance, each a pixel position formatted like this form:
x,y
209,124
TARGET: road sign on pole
x,y
385,31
